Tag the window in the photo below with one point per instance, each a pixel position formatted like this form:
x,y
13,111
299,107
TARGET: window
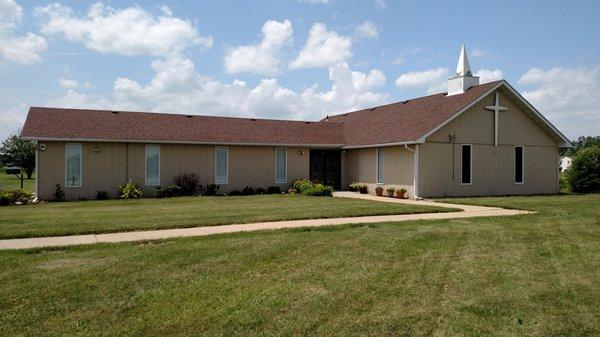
x,y
73,165
466,164
519,152
281,165
152,165
380,165
221,163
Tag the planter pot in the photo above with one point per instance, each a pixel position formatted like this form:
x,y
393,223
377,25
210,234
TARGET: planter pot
x,y
390,194
379,192
401,195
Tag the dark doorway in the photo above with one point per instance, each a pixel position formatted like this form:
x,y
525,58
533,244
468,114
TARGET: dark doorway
x,y
326,167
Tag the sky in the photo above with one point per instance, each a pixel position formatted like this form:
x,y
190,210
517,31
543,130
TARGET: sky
x,y
293,59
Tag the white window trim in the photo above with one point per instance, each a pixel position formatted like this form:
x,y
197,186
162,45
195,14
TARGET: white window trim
x,y
286,165
67,168
146,165
522,165
470,164
377,181
226,166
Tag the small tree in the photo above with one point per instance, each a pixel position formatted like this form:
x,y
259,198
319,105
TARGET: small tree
x,y
584,174
18,151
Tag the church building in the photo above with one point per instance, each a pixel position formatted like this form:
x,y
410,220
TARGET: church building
x,y
473,140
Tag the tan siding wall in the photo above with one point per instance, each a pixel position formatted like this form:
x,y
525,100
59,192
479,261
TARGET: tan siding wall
x,y
361,165
115,163
493,167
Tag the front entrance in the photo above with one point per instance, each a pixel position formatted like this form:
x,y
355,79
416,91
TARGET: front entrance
x,y
326,167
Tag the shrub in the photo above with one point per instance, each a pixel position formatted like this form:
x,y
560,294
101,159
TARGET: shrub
x,y
390,191
211,189
363,189
353,187
260,190
319,190
300,185
248,191
188,183
584,174
235,193
59,194
169,191
273,190
15,197
102,195
130,191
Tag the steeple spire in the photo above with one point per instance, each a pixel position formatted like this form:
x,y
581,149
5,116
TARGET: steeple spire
x,y
463,67
463,79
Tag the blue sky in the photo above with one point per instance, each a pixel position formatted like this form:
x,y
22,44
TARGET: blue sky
x,y
293,59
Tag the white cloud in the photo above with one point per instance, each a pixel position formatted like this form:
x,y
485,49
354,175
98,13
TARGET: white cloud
x,y
367,30
323,48
566,96
67,83
128,31
24,49
486,75
75,100
415,79
315,2
12,120
380,4
483,53
407,52
262,58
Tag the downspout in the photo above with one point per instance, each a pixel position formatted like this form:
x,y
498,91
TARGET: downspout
x,y
415,168
37,171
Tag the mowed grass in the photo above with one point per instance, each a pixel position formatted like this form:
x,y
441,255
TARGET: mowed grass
x,y
84,217
11,182
527,275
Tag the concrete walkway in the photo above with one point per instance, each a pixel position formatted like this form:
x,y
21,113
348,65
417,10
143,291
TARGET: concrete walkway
x,y
58,241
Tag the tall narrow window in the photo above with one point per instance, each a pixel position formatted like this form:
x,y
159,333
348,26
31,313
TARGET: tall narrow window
x,y
73,165
519,164
152,165
466,164
281,165
221,163
380,160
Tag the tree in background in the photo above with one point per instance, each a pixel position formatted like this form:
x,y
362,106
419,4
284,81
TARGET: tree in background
x,y
584,174
20,152
579,144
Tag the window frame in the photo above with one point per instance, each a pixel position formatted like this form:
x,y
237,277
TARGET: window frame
x,y
379,180
470,164
522,165
277,181
226,165
67,165
146,165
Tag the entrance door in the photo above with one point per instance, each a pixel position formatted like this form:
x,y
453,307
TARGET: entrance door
x,y
325,167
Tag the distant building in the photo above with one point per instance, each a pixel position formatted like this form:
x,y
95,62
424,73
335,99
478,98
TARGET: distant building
x,y
565,163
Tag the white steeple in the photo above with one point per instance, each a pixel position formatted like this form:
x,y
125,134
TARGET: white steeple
x,y
463,79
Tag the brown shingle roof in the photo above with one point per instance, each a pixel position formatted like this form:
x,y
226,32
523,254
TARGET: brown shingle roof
x,y
392,123
404,121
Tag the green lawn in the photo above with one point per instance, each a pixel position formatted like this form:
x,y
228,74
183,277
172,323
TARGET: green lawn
x,y
80,217
11,182
528,275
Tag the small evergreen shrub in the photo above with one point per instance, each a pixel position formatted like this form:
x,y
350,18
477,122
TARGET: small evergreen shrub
x,y
102,195
15,197
363,189
188,183
584,174
260,190
169,191
319,190
273,190
353,187
248,191
130,191
211,189
300,185
59,194
235,193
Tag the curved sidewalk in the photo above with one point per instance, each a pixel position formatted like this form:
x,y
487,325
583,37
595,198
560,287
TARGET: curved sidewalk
x,y
59,241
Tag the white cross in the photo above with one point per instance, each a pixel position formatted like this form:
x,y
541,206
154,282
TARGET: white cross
x,y
496,108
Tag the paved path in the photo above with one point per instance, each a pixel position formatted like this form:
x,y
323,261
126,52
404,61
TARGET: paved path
x,y
57,241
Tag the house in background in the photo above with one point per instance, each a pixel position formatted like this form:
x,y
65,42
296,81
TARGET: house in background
x,y
565,163
475,139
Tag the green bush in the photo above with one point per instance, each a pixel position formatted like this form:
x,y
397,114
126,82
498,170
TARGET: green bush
x,y
14,197
260,190
273,190
353,187
584,174
211,189
169,191
248,191
235,193
102,195
319,190
300,185
188,183
59,194
130,191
